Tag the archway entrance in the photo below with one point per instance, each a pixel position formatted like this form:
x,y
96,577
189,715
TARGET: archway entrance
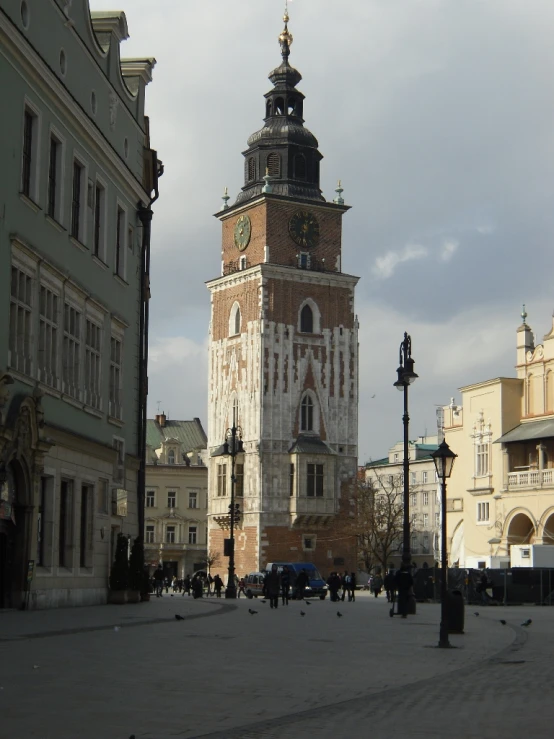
x,y
521,530
548,533
12,537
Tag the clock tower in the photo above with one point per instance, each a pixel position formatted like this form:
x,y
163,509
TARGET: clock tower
x,y
283,359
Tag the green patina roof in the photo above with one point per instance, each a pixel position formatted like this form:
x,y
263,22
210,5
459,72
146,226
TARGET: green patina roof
x,y
189,433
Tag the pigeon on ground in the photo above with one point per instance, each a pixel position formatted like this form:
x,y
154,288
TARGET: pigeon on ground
x,y
307,602
339,614
178,618
251,612
527,623
503,622
302,613
263,601
476,613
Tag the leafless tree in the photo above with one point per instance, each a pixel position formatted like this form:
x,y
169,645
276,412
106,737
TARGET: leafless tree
x,y
212,558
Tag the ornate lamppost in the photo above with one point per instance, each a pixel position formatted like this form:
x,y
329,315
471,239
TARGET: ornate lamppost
x,y
443,458
232,447
406,376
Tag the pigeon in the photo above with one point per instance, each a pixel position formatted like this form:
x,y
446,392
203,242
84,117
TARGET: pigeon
x,y
178,618
339,614
503,622
302,613
476,613
251,612
527,623
36,667
307,602
263,601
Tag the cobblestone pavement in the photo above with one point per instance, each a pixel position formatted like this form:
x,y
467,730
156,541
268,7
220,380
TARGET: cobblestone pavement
x,y
273,673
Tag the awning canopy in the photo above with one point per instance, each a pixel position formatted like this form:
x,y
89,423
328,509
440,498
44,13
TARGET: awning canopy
x,y
307,444
527,431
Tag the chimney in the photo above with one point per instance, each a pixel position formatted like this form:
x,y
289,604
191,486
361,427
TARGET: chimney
x,y
161,419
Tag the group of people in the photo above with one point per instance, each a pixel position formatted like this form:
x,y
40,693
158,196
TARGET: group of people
x,y
277,584
345,582
186,586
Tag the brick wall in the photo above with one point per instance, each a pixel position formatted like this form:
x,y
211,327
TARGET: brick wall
x,y
246,549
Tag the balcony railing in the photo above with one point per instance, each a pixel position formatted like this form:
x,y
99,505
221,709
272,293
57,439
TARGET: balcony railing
x,y
530,479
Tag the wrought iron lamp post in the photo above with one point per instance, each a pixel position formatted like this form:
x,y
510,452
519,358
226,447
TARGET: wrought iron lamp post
x,y
232,447
443,458
406,376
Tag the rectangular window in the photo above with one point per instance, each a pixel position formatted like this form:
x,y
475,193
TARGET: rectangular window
x,y
239,480
48,337
93,363
413,476
149,534
71,351
414,543
291,480
425,544
222,480
192,534
315,481
76,201
413,499
482,460
64,524
119,242
171,499
425,520
424,476
41,521
99,221
115,409
53,177
170,535
425,498
85,534
28,164
103,498
193,500
150,499
482,512
20,321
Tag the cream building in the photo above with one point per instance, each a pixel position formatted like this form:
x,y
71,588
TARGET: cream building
x,y
176,496
501,492
388,474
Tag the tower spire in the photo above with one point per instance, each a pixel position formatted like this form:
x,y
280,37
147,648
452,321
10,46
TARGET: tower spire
x,y
286,37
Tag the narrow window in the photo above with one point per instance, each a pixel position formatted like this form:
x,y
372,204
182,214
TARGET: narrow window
x,y
251,169
237,321
413,500
268,109
76,203
274,165
150,499
83,538
53,177
41,520
64,523
307,320
424,476
99,220
119,257
93,363
303,260
170,535
71,350
315,481
115,409
242,263
425,520
291,106
279,106
29,126
239,480
171,457
425,498
171,499
193,500
291,479
149,534
131,239
103,486
307,414
20,321
192,534
222,480
48,337
482,460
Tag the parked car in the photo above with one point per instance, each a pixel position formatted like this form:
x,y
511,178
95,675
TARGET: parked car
x,y
316,588
254,584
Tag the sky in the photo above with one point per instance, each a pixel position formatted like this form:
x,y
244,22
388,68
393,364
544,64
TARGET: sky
x,y
438,117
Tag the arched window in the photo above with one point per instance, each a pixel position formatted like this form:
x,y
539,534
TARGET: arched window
x,y
307,414
235,410
300,167
307,320
279,106
268,109
171,457
235,320
274,165
291,106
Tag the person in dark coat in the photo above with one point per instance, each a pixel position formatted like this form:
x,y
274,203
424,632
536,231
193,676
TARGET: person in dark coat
x,y
388,583
352,587
186,585
159,580
301,584
404,582
334,584
197,587
285,585
218,584
273,587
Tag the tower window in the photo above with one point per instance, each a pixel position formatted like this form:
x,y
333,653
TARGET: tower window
x,y
251,169
274,165
291,106
235,320
315,481
268,109
307,414
300,167
279,106
307,320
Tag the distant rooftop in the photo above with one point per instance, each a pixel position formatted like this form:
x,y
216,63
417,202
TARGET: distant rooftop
x,y
188,433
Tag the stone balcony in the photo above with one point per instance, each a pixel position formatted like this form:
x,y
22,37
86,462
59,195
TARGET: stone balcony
x,y
530,479
312,511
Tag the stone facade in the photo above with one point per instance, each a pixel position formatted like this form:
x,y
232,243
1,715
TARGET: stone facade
x,y
77,178
501,492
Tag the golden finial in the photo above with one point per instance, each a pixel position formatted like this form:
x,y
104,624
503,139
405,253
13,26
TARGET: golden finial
x,y
285,37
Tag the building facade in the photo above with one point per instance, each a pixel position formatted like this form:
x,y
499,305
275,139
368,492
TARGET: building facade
x,y
501,492
176,496
387,476
77,184
283,358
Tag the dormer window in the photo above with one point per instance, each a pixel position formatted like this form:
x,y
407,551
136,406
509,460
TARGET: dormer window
x,y
171,456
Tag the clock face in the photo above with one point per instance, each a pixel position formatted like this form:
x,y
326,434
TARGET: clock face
x,y
243,229
304,229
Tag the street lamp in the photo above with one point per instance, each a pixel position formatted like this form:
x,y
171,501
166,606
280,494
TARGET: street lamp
x,y
443,458
406,376
232,447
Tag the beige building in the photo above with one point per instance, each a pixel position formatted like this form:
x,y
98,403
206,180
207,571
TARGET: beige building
x,y
501,493
387,474
176,496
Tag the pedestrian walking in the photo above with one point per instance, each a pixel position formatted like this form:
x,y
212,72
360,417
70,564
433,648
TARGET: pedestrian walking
x,y
186,585
301,584
273,587
218,584
404,582
352,587
285,585
388,584
209,583
334,584
345,581
159,581
242,587
377,585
